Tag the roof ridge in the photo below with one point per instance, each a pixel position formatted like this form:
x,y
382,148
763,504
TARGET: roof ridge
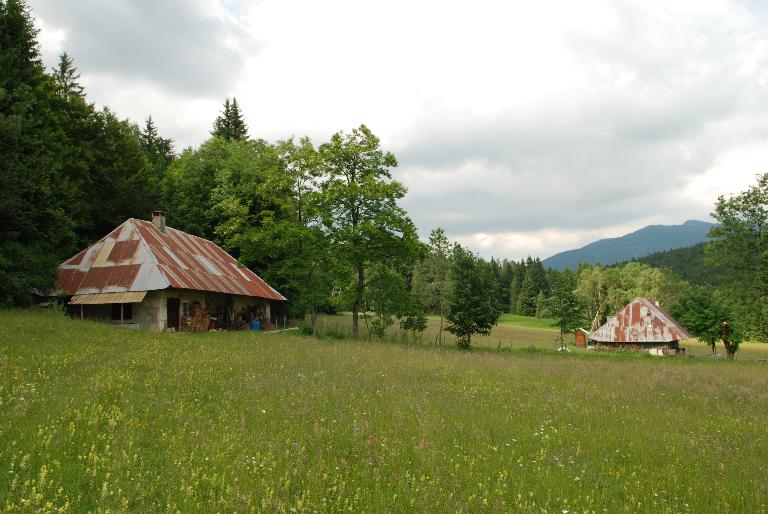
x,y
145,244
180,231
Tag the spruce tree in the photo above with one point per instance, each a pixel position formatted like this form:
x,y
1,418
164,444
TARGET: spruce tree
x,y
505,284
518,275
220,128
67,79
35,231
237,128
158,150
535,282
230,125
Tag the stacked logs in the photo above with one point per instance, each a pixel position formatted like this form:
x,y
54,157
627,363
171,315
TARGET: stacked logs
x,y
197,321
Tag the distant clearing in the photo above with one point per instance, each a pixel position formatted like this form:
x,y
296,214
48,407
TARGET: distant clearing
x,y
516,332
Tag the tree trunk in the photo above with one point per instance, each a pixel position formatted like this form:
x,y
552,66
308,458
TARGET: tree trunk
x,y
595,321
313,318
355,319
730,349
440,331
356,305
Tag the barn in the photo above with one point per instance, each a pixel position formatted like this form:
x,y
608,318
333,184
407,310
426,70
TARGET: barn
x,y
641,326
147,275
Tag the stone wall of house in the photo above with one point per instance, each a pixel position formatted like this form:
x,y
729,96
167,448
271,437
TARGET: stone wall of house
x,y
152,313
632,347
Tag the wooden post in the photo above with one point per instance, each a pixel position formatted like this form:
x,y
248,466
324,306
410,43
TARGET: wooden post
x,y
121,313
81,311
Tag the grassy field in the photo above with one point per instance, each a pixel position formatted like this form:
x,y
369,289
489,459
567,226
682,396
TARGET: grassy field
x,y
94,417
516,333
513,332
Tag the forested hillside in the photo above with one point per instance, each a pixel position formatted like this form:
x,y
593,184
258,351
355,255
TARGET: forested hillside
x,y
689,263
647,240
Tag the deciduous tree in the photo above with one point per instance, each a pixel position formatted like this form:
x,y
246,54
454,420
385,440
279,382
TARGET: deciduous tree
x,y
739,245
703,313
564,305
472,300
360,213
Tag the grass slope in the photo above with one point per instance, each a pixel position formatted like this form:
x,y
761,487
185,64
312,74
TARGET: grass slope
x,y
94,417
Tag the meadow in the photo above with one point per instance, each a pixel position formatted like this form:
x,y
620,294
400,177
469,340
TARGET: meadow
x,y
99,418
513,333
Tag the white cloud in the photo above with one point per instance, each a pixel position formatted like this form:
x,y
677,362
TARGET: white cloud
x,y
542,243
520,127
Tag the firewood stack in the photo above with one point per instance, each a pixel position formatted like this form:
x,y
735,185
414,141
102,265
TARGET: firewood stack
x,y
197,321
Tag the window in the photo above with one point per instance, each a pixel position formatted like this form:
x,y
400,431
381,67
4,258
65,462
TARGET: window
x,y
127,311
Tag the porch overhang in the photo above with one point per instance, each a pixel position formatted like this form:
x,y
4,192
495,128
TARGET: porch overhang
x,y
101,298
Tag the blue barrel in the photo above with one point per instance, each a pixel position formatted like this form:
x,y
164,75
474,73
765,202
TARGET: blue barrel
x,y
255,325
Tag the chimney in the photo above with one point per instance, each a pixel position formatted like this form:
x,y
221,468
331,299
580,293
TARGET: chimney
x,y
158,220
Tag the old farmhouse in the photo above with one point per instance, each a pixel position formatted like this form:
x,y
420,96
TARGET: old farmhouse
x,y
151,276
641,326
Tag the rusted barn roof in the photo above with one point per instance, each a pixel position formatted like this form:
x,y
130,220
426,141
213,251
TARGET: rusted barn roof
x,y
138,256
642,321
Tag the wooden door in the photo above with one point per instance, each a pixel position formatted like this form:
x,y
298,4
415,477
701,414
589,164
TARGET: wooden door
x,y
173,313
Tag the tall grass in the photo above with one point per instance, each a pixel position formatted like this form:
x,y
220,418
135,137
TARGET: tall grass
x,y
94,417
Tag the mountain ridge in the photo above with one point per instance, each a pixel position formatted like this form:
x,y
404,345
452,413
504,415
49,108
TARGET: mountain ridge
x,y
635,245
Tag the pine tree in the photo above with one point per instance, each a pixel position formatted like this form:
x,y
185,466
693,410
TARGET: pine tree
x,y
159,150
35,231
220,128
535,282
149,135
518,275
237,127
67,79
506,278
19,54
230,125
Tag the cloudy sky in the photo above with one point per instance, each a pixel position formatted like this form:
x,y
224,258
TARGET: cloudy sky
x,y
520,127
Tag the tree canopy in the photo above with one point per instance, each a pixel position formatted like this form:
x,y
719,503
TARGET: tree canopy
x,y
473,304
365,225
230,124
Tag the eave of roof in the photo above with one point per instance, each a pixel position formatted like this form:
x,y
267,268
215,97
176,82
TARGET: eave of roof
x,y
137,256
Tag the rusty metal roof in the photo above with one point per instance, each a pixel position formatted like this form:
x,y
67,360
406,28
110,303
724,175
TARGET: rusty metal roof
x,y
137,256
641,321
